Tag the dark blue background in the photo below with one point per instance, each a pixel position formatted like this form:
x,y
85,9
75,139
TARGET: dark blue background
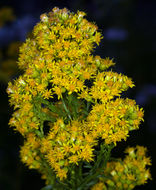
x,y
129,30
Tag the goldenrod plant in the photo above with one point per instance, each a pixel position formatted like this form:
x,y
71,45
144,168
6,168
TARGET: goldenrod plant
x,y
69,109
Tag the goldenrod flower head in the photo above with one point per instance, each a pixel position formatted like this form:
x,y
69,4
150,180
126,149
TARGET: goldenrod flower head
x,y
129,172
99,186
113,120
66,101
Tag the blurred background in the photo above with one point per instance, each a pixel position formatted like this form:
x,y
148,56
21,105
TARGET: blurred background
x,y
129,30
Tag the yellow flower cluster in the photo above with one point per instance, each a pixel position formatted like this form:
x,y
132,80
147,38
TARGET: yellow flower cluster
x,y
66,144
126,173
113,120
99,186
105,86
30,151
64,85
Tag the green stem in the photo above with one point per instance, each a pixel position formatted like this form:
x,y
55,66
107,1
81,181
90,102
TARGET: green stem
x,y
88,179
80,171
88,105
41,127
51,106
99,166
66,109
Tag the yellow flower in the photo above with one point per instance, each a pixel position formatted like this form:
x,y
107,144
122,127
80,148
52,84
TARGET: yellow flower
x,y
47,94
62,174
58,91
73,159
99,186
87,153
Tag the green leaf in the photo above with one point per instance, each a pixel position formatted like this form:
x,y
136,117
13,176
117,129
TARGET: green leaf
x,y
53,108
93,182
48,187
104,176
87,166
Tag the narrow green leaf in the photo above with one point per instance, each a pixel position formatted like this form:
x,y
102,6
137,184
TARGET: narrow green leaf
x,y
48,187
93,182
87,166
